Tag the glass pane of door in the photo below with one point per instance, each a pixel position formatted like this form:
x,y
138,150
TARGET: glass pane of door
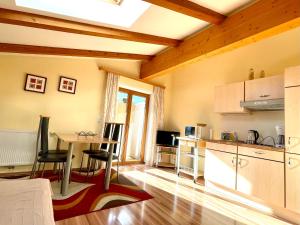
x,y
121,115
135,143
122,107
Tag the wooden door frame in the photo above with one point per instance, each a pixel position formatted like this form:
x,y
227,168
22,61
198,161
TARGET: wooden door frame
x,y
127,124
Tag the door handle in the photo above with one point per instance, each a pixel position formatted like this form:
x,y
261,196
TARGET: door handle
x,y
233,161
240,162
259,153
264,96
289,163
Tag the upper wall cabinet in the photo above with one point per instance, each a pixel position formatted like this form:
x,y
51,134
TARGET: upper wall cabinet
x,y
228,98
292,76
264,88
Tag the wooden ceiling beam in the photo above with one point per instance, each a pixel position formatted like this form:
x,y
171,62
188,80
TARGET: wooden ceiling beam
x,y
41,50
260,20
190,9
56,24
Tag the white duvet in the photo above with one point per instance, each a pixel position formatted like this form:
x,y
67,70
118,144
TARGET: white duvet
x,y
26,202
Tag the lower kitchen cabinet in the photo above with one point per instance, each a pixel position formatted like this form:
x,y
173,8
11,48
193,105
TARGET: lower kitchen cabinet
x,y
293,182
220,168
261,178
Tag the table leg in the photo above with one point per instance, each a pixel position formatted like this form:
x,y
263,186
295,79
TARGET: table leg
x,y
178,159
108,167
57,148
65,181
157,155
196,158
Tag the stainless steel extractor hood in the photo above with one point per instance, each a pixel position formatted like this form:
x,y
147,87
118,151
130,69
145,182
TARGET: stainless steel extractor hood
x,y
264,105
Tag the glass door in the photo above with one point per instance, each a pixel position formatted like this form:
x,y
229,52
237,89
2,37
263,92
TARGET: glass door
x,y
132,110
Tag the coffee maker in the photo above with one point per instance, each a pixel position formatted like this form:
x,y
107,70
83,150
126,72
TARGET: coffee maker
x,y
280,136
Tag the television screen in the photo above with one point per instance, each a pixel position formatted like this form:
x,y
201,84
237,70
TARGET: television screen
x,y
167,138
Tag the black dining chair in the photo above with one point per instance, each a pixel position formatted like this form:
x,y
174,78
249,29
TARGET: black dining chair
x,y
107,134
103,155
43,154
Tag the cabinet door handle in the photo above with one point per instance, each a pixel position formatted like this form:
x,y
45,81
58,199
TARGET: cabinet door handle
x,y
264,96
240,162
289,163
233,161
259,153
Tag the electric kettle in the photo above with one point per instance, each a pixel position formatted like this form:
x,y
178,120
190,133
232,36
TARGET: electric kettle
x,y
252,137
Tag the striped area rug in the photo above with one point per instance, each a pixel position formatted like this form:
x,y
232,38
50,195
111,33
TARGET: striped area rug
x,y
88,195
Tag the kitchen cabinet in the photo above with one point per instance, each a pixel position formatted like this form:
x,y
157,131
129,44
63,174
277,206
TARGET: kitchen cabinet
x,y
293,182
262,154
292,76
261,178
292,119
264,88
220,168
228,98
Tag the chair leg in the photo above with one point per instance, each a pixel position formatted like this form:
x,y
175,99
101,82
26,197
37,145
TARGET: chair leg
x,y
38,170
70,173
62,172
88,167
89,162
118,170
59,174
62,179
94,166
80,170
33,169
43,169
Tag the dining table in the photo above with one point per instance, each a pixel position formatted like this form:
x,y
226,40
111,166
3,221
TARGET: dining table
x,y
72,139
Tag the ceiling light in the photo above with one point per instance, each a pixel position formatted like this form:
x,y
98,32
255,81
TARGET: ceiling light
x,y
115,2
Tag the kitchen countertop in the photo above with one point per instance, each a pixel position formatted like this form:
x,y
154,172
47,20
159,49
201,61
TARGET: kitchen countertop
x,y
243,144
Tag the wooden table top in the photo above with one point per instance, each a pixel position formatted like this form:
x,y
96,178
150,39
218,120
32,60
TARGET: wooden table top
x,y
75,138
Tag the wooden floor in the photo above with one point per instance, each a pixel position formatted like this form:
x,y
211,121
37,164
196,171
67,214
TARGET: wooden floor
x,y
176,201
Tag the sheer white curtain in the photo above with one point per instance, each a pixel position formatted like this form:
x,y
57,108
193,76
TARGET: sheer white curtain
x,y
155,122
111,98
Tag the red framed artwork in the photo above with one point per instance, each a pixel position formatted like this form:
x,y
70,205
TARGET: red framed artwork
x,y
35,83
67,85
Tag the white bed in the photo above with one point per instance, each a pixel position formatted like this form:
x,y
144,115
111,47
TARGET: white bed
x,y
26,202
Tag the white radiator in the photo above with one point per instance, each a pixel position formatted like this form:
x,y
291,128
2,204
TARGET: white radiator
x,y
17,147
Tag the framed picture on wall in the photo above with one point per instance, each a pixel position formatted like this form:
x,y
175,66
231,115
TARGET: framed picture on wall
x,y
67,85
35,83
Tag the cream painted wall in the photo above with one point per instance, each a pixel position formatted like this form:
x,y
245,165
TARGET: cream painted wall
x,y
20,110
135,85
190,89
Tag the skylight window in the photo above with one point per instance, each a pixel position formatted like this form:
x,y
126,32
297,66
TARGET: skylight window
x,y
115,12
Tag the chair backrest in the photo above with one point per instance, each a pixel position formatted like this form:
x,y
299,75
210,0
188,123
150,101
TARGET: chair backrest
x,y
117,136
107,134
38,135
43,133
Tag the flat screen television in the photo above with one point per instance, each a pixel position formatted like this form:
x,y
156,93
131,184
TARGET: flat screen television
x,y
167,138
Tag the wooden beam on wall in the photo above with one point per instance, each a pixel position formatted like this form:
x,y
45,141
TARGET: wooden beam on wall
x,y
42,50
50,23
190,9
260,20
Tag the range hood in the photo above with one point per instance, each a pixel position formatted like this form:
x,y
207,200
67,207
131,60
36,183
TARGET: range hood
x,y
264,105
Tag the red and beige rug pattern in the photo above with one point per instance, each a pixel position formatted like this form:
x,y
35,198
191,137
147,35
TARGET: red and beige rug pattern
x,y
92,196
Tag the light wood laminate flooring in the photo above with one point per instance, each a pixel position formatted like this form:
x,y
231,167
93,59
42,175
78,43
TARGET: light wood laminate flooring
x,y
176,201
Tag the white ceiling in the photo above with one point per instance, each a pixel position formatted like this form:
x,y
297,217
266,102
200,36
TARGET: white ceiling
x,y
156,21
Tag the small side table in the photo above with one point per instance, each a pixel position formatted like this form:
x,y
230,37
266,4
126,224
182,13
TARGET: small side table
x,y
195,144
165,150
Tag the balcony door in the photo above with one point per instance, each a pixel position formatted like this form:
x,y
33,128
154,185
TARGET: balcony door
x,y
132,110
